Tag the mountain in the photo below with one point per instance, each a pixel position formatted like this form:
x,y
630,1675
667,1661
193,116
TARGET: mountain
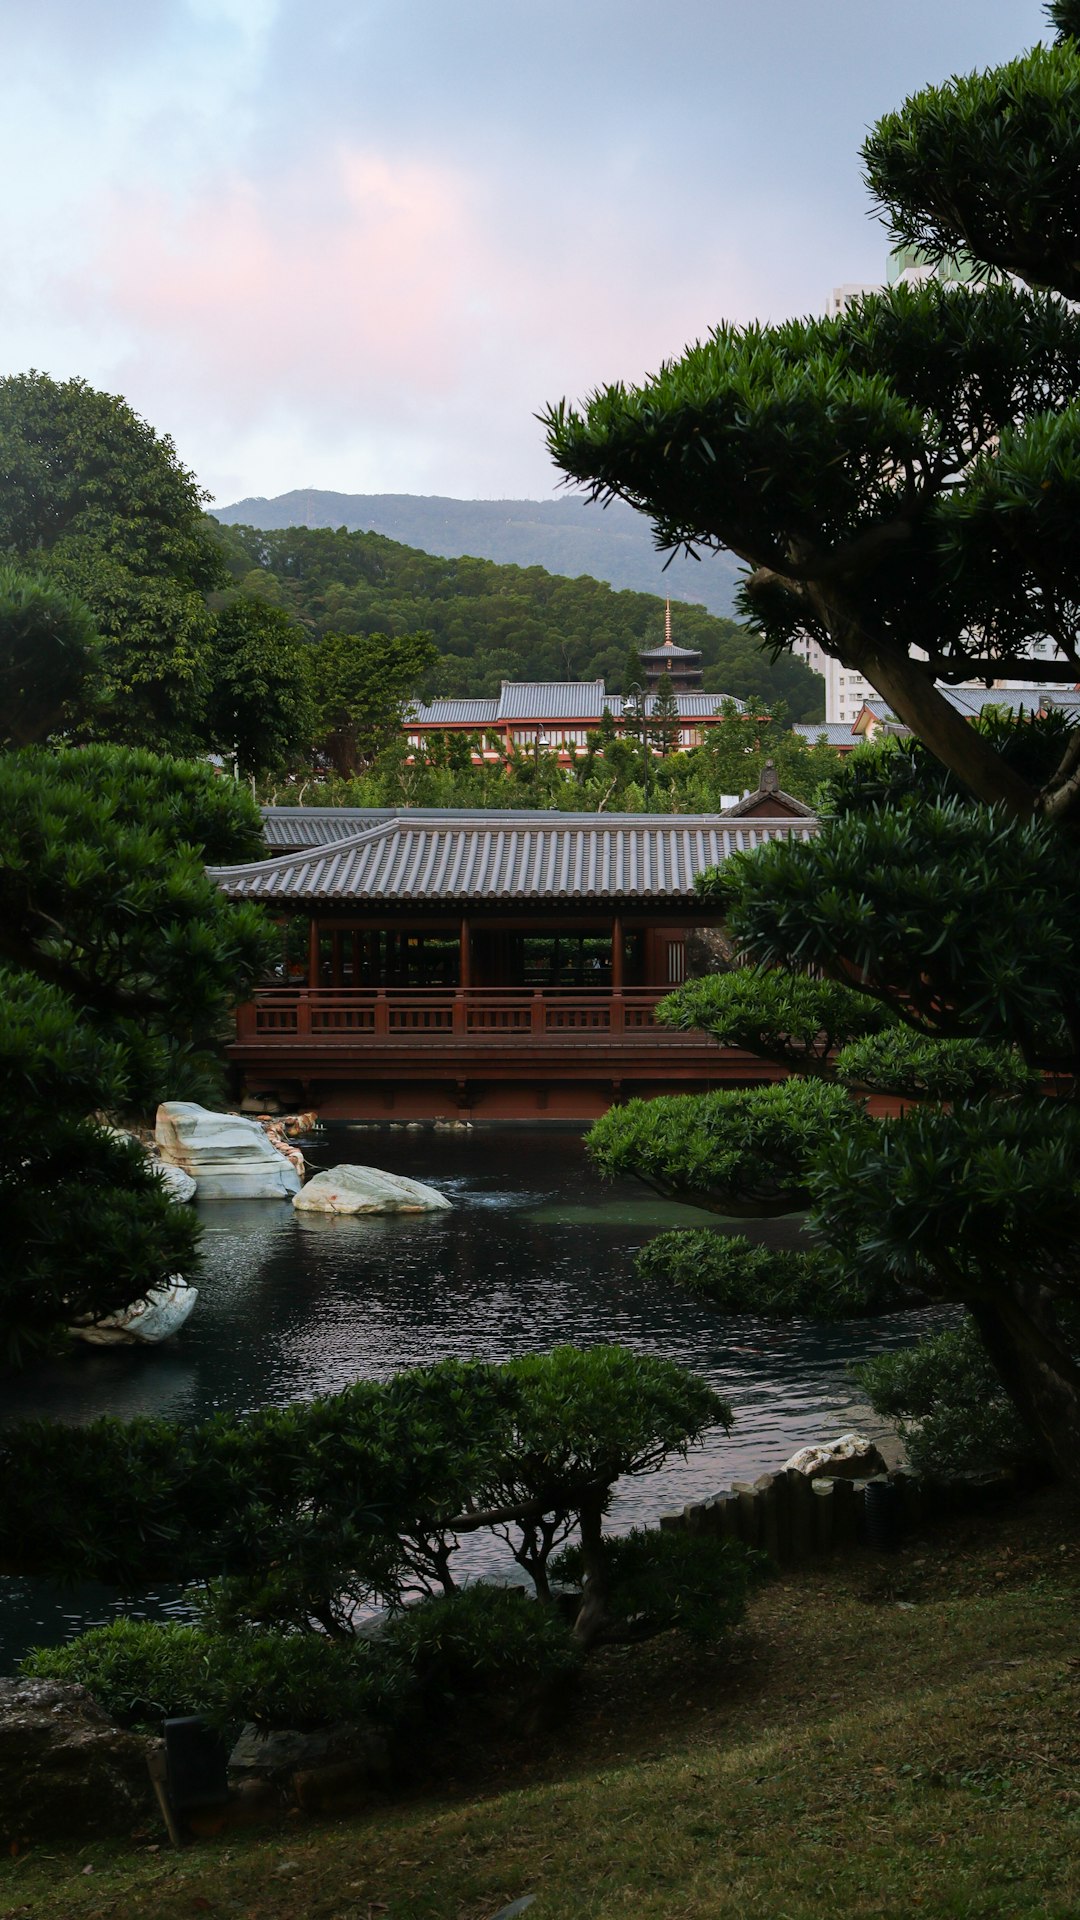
x,y
567,536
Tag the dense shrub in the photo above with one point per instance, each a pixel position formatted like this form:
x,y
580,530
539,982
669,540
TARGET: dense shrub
x,y
141,1672
950,1408
485,1640
662,1579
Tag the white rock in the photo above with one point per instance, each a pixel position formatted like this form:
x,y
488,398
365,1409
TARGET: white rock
x,y
146,1322
368,1190
178,1184
228,1157
852,1457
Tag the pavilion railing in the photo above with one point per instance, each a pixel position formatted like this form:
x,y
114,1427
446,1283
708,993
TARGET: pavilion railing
x,y
353,1015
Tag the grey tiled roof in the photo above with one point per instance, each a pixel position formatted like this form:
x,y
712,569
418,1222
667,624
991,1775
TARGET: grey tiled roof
x,y
456,713
551,700
492,858
837,732
672,652
543,700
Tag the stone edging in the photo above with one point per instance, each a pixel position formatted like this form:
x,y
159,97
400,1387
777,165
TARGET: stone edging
x,y
793,1518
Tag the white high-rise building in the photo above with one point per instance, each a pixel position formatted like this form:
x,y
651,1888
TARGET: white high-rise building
x,y
846,692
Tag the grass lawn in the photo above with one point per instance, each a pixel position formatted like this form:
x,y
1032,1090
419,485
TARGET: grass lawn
x,y
890,1737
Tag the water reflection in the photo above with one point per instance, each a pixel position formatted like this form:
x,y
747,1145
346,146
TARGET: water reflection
x,y
536,1252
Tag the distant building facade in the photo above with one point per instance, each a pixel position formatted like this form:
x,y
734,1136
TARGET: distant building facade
x,y
558,716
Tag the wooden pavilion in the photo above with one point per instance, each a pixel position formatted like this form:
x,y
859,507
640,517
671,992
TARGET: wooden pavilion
x,y
496,966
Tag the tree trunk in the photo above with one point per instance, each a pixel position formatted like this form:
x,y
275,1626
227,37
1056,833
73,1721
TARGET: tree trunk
x,y
918,703
593,1613
1020,1331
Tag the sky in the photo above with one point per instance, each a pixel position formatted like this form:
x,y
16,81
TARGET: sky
x,y
358,244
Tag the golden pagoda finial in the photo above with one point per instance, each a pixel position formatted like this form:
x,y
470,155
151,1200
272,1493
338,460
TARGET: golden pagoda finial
x,y
667,623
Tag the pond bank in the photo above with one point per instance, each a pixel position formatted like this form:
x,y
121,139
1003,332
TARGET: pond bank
x,y
884,1737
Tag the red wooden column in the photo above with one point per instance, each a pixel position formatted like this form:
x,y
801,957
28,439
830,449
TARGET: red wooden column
x,y
460,1014
313,954
617,1004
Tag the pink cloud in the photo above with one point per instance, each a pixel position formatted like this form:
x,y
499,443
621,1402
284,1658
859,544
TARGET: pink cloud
x,y
339,286
356,290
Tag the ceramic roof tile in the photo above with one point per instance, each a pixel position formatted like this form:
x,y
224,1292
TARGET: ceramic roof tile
x,y
567,856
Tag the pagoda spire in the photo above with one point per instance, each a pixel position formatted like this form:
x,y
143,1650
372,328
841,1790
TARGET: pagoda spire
x,y
667,624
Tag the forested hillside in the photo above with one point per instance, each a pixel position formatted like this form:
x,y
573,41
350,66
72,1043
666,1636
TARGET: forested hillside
x,y
494,623
569,535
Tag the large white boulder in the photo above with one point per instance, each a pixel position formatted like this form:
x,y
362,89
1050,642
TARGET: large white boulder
x,y
228,1157
157,1316
368,1190
177,1184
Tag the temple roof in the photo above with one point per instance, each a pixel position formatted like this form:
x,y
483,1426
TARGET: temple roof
x,y
492,857
667,650
523,700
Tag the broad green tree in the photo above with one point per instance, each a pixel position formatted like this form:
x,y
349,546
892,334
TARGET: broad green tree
x,y
260,711
98,503
493,623
50,657
363,685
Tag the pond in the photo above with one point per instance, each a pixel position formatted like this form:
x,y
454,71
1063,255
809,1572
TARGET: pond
x,y
537,1251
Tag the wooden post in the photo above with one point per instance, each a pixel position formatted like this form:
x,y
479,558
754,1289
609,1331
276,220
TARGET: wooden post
x,y
313,954
824,1511
465,961
802,1515
617,954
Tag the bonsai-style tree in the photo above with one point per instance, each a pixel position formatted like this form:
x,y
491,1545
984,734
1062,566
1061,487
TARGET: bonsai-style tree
x,y
902,481
922,950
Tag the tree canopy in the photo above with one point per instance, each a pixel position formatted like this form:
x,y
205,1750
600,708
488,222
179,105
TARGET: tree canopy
x,y
98,503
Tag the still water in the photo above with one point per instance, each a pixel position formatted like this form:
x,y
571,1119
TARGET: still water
x,y
537,1251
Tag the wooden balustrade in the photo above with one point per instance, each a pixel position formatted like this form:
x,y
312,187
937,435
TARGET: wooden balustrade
x,y
353,1016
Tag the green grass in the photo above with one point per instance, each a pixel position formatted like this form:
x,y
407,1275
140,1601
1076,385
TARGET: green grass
x,y
887,1738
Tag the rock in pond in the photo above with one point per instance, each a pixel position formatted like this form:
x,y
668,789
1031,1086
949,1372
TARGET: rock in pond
x,y
228,1157
852,1457
178,1184
160,1314
368,1190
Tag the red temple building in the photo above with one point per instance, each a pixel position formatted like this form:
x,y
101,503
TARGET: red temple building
x,y
488,966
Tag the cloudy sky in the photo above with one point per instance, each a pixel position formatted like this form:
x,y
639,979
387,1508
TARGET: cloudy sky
x,y
357,243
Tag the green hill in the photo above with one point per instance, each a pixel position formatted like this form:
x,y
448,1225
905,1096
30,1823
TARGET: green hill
x,y
568,535
494,623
